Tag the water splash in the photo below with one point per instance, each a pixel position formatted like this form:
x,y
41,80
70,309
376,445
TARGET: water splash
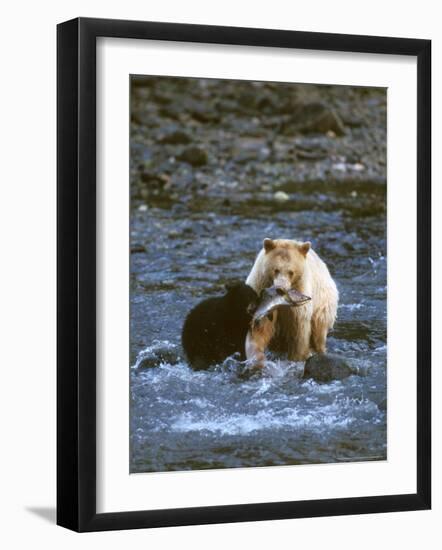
x,y
179,414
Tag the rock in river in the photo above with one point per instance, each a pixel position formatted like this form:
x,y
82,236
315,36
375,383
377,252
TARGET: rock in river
x,y
325,367
158,353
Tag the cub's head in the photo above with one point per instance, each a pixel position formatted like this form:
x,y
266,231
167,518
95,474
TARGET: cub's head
x,y
284,262
242,297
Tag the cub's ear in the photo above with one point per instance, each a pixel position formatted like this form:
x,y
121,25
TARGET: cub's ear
x,y
268,245
305,247
230,285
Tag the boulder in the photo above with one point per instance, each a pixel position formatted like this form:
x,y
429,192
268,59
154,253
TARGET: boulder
x,y
325,367
194,156
314,118
176,137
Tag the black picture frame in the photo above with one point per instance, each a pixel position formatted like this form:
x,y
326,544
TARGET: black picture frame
x,y
76,274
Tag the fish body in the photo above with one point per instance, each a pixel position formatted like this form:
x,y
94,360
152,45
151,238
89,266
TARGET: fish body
x,y
272,298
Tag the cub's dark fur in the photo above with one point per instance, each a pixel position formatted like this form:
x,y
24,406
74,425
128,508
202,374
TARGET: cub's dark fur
x,y
217,327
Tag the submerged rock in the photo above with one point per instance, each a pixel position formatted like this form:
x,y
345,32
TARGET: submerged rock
x,y
382,406
136,248
157,354
325,367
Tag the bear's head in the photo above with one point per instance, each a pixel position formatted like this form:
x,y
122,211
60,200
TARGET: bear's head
x,y
242,297
284,263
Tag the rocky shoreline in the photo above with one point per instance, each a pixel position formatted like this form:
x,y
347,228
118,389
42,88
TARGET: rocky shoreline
x,y
239,141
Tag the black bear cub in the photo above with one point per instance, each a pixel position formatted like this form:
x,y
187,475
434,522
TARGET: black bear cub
x,y
217,327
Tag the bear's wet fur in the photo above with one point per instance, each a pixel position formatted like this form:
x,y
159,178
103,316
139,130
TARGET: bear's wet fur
x,y
216,328
299,332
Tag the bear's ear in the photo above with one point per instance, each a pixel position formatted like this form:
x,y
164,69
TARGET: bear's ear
x,y
268,245
305,247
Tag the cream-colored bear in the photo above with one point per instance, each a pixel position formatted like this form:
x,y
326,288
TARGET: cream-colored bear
x,y
298,331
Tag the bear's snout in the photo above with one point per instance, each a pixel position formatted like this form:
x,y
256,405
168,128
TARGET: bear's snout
x,y
282,284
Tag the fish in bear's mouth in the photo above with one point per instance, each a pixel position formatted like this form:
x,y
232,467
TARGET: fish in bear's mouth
x,y
273,298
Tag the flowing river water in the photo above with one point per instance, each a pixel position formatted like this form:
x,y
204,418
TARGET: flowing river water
x,y
181,419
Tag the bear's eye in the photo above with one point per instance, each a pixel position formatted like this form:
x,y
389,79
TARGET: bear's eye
x,y
291,274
